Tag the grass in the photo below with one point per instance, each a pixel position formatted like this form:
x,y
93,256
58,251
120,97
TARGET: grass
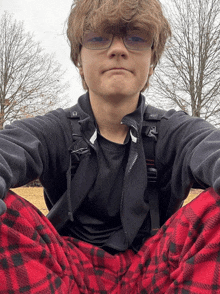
x,y
35,196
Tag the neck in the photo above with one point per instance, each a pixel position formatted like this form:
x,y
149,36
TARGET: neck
x,y
109,113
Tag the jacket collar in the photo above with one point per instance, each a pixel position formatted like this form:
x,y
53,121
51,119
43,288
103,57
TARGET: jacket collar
x,y
135,118
88,123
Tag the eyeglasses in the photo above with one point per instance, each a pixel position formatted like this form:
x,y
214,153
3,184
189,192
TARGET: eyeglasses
x,y
133,40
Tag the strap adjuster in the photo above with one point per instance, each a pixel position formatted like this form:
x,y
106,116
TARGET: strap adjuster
x,y
151,175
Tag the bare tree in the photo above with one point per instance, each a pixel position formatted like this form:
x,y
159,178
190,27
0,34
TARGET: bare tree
x,y
30,80
189,73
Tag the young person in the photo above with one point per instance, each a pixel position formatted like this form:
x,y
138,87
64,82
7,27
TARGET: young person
x,y
107,246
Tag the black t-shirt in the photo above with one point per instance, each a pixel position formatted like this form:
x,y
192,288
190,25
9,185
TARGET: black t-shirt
x,y
99,215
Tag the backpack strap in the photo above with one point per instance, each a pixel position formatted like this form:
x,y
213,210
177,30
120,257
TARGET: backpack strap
x,y
150,128
62,211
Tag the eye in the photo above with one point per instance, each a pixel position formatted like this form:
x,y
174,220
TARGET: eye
x,y
138,40
98,39
135,39
92,37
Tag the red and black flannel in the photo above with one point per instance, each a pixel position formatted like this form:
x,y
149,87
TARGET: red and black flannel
x,y
183,257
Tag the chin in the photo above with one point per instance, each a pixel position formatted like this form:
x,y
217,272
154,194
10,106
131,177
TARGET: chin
x,y
119,90
118,95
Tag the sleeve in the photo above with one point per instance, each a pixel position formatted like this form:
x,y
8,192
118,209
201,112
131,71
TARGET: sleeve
x,y
188,149
33,147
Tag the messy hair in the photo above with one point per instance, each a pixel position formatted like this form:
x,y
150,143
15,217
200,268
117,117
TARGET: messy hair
x,y
116,15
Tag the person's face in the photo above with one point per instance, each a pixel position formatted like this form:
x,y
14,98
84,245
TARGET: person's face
x,y
116,72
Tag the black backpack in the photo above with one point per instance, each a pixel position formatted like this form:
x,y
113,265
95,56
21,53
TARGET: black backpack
x,y
60,213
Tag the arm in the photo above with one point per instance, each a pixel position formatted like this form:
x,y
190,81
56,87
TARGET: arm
x,y
33,148
188,150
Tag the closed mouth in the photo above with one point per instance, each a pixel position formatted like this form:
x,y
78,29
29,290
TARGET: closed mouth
x,y
118,68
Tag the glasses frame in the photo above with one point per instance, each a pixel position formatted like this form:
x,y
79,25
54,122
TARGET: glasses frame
x,y
126,46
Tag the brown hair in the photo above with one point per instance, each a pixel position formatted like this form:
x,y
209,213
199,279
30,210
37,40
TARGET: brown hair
x,y
116,15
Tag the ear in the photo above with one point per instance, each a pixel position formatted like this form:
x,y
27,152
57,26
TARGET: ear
x,y
80,65
151,70
81,71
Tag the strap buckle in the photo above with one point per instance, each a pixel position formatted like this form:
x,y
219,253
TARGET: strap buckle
x,y
151,174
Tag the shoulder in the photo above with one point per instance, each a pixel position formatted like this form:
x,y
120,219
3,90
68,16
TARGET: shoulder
x,y
51,126
176,119
154,112
179,121
179,131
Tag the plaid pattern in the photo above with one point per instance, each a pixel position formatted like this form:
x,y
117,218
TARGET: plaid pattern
x,y
183,257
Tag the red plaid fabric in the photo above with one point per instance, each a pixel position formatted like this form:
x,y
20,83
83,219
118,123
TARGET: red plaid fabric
x,y
183,257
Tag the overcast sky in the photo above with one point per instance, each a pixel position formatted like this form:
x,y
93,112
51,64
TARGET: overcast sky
x,y
46,20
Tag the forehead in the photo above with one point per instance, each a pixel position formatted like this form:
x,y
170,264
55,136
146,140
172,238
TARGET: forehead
x,y
118,28
117,19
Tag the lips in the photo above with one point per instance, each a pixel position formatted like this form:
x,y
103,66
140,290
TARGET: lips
x,y
115,68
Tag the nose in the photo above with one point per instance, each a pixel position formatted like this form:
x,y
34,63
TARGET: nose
x,y
117,48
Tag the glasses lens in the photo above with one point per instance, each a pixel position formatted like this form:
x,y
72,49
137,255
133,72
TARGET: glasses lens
x,y
96,41
138,40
